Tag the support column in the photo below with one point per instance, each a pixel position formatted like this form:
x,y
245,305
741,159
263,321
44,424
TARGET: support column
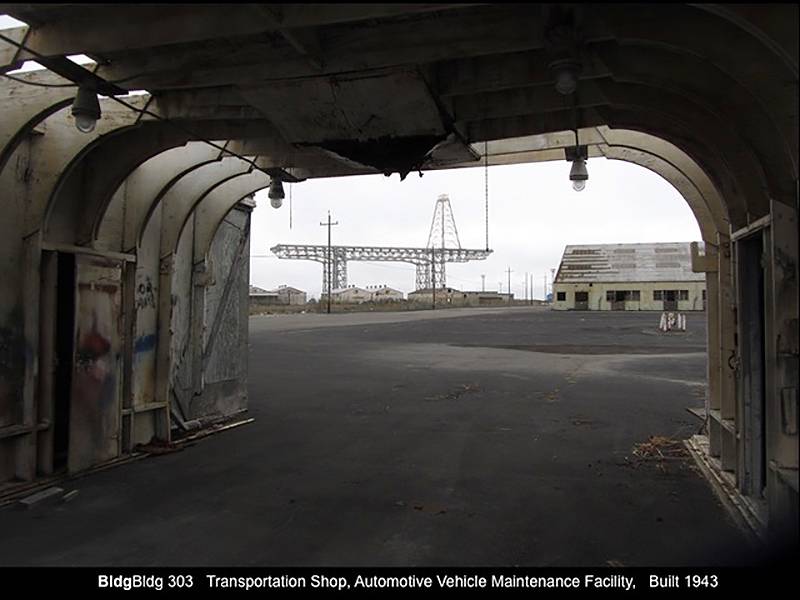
x,y
783,357
728,355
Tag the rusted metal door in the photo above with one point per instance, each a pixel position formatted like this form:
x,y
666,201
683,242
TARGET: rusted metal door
x,y
94,415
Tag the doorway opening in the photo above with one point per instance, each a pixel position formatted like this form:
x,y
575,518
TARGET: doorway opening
x,y
64,347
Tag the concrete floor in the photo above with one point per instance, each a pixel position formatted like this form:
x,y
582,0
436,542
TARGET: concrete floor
x,y
477,437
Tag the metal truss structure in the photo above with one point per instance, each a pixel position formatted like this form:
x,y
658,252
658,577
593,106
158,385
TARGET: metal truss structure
x,y
427,260
444,233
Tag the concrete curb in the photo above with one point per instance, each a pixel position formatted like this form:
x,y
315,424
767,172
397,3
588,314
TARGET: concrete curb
x,y
738,507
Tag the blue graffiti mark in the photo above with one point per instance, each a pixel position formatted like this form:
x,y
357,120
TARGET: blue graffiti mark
x,y
146,343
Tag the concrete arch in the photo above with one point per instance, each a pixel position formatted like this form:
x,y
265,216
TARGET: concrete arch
x,y
142,189
679,160
71,216
182,198
38,103
218,203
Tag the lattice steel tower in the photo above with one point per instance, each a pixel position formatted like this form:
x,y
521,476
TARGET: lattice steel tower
x,y
443,247
443,235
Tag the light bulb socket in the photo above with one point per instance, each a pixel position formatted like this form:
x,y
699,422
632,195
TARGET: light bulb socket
x,y
86,109
578,171
276,193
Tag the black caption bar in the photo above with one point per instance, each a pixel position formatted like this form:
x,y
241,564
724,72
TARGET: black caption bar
x,y
619,582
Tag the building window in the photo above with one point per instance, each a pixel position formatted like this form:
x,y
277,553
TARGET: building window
x,y
683,294
581,296
704,294
610,295
635,295
658,294
561,296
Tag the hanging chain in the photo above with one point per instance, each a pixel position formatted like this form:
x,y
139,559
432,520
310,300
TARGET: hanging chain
x,y
486,187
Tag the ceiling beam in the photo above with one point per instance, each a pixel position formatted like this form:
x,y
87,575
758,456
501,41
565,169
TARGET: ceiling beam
x,y
113,28
523,101
498,30
506,71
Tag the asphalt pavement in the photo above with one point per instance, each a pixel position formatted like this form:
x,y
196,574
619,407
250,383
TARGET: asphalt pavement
x,y
465,437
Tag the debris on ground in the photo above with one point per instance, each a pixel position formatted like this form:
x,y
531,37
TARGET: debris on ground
x,y
465,388
660,451
660,447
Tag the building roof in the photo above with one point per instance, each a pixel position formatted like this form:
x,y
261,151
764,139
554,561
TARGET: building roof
x,y
288,288
610,263
439,290
350,288
257,291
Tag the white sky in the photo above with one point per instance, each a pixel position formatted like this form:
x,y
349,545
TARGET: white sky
x,y
533,214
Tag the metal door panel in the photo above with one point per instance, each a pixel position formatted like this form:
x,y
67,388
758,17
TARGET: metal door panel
x,y
94,416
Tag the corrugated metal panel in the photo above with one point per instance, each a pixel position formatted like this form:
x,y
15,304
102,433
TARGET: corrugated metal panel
x,y
627,263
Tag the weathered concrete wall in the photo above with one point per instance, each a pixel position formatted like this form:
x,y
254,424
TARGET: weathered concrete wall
x,y
12,341
146,310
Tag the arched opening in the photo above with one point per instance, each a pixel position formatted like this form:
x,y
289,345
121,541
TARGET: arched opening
x,y
704,96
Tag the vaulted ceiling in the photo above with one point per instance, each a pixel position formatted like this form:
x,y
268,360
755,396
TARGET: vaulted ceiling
x,y
364,88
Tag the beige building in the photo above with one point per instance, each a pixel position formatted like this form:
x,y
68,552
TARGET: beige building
x,y
352,294
290,295
629,277
384,293
454,297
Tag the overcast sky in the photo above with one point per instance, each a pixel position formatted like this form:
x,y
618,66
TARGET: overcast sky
x,y
533,214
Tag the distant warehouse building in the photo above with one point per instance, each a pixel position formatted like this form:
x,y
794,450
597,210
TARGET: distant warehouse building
x,y
384,293
629,277
283,295
456,297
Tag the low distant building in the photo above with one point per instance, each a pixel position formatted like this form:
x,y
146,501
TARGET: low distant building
x,y
351,294
629,277
290,295
285,295
263,297
384,293
454,297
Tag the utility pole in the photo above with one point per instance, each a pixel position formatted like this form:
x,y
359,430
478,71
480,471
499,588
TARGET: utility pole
x,y
526,286
544,279
483,283
531,289
509,286
328,260
553,283
433,278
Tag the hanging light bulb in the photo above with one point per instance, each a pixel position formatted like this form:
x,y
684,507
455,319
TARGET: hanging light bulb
x,y
578,174
276,194
566,75
86,109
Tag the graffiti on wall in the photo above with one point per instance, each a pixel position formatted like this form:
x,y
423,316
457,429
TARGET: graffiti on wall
x,y
94,409
145,294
